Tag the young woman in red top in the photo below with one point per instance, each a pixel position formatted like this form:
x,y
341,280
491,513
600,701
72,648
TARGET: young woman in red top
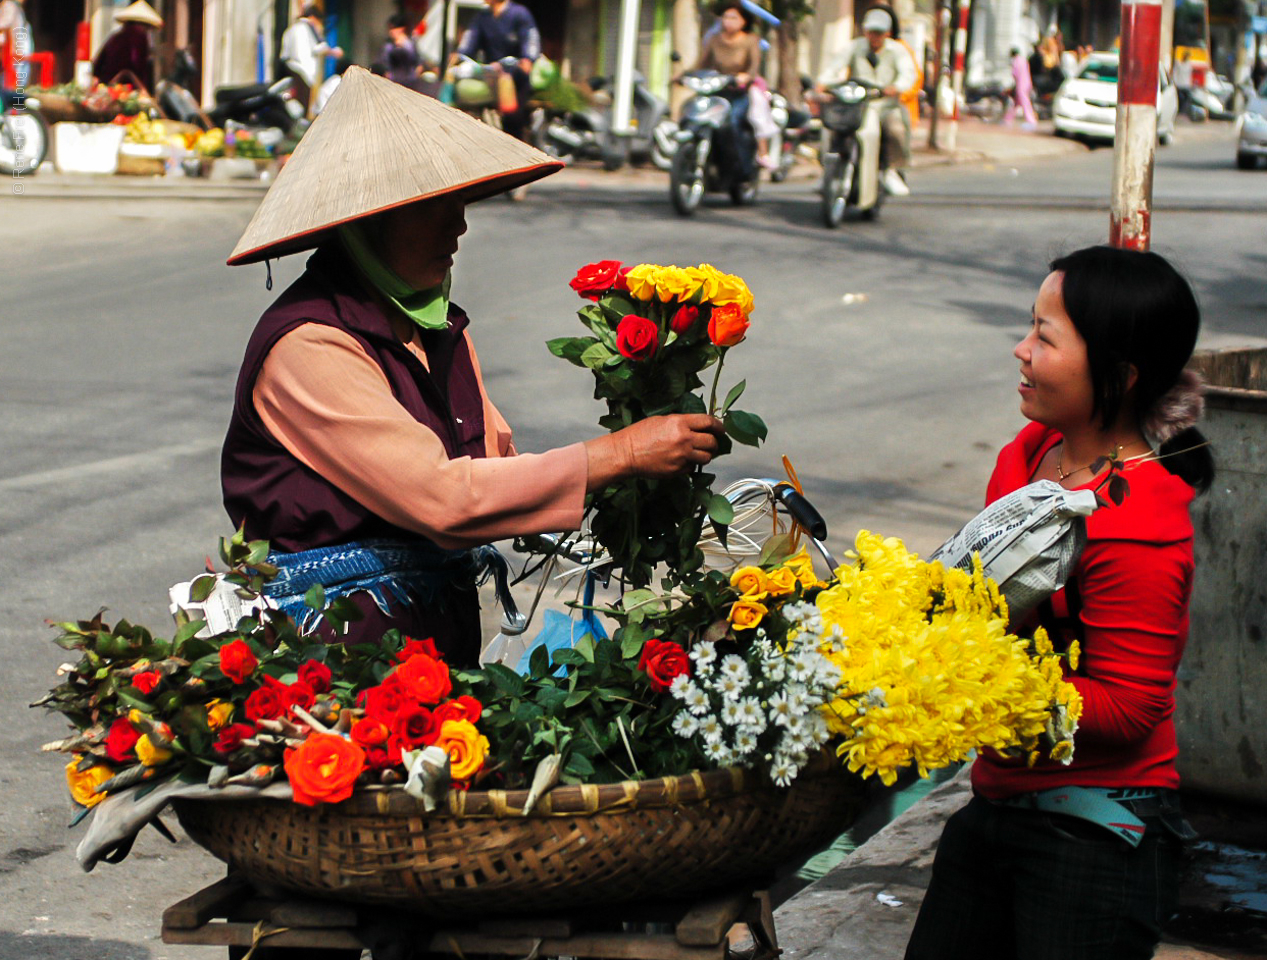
x,y
1101,375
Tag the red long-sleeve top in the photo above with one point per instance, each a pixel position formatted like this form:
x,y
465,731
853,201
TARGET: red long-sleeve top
x,y
1134,578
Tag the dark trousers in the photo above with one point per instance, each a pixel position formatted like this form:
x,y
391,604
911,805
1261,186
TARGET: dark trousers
x,y
745,140
1012,884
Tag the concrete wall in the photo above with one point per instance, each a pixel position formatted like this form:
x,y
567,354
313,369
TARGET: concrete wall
x,y
1221,700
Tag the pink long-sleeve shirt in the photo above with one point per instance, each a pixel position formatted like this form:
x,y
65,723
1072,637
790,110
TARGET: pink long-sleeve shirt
x,y
329,404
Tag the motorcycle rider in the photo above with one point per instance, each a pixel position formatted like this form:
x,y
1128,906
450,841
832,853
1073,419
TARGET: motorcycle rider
x,y
505,29
732,48
877,58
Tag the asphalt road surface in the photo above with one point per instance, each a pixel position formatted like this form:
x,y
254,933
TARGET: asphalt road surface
x,y
880,356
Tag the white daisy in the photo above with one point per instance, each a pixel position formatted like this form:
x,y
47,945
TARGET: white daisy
x,y
795,724
797,698
718,753
680,686
745,743
750,712
734,666
696,701
800,667
729,687
704,653
711,730
783,772
730,713
685,725
779,708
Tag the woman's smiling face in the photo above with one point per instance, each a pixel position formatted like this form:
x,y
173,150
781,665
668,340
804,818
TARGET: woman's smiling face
x,y
1055,383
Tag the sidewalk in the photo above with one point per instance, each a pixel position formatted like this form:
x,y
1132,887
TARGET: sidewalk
x,y
865,907
976,142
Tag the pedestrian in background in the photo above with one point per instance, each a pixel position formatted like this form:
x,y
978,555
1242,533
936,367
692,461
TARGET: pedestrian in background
x,y
399,55
129,49
304,52
1078,859
1022,92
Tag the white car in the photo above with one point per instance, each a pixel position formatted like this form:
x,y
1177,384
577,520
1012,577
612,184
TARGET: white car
x,y
1251,131
1086,103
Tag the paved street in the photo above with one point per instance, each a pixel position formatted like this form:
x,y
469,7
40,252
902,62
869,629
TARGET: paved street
x,y
879,356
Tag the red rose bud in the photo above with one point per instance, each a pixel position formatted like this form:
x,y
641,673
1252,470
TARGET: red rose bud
x,y
231,737
121,740
147,681
663,661
637,337
413,646
684,319
368,732
264,704
316,674
595,279
237,661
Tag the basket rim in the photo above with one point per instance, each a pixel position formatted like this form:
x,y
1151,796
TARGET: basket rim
x,y
567,800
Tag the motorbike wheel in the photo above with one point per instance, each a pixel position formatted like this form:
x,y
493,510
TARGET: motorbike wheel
x,y
23,143
786,158
686,178
743,193
838,185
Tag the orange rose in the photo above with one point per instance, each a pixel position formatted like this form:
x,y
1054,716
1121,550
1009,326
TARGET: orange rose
x,y
323,769
466,748
727,326
781,582
424,678
751,582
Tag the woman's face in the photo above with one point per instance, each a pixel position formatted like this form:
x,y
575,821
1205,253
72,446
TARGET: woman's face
x,y
732,21
1055,383
419,240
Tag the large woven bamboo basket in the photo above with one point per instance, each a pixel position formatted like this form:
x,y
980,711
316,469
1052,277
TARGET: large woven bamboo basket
x,y
581,845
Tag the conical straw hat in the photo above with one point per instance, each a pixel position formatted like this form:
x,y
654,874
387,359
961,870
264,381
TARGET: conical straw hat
x,y
379,145
141,12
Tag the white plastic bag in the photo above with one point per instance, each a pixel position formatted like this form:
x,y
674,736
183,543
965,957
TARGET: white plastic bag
x,y
222,609
1029,542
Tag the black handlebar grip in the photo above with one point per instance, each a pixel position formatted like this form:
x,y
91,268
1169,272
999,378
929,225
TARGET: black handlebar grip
x,y
803,512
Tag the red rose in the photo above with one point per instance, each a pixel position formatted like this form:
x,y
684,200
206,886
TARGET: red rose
x,y
264,704
121,740
231,737
376,758
728,325
368,732
237,661
424,678
316,674
595,279
662,661
622,279
299,694
461,708
413,646
637,337
414,727
684,319
147,681
382,702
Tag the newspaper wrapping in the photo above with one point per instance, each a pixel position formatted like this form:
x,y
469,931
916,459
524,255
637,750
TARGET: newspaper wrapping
x,y
1028,541
221,610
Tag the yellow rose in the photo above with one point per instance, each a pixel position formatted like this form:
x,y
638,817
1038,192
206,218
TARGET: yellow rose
x,y
802,568
641,281
705,279
746,614
732,289
150,753
781,582
751,583
218,714
466,748
83,783
674,283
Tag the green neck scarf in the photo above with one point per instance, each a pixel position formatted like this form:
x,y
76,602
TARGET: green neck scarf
x,y
427,308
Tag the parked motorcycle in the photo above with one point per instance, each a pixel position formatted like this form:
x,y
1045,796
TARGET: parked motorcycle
x,y
793,128
23,134
708,146
987,101
851,164
586,134
252,105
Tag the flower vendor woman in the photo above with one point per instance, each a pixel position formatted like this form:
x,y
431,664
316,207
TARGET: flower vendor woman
x,y
1078,860
362,444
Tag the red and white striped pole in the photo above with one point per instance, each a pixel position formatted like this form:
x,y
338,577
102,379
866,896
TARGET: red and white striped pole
x,y
956,77
1135,139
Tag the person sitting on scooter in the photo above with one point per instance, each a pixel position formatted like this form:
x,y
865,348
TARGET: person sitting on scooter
x,y
736,51
505,29
878,59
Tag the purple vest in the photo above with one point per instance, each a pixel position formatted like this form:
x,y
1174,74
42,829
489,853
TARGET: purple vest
x,y
294,508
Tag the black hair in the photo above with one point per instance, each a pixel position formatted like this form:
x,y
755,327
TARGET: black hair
x,y
310,10
748,20
398,21
1133,308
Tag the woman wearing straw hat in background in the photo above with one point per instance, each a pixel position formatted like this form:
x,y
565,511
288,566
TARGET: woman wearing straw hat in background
x,y
129,49
362,443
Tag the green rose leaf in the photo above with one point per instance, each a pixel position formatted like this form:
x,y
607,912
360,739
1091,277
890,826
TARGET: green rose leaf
x,y
315,598
720,510
596,356
735,393
746,428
